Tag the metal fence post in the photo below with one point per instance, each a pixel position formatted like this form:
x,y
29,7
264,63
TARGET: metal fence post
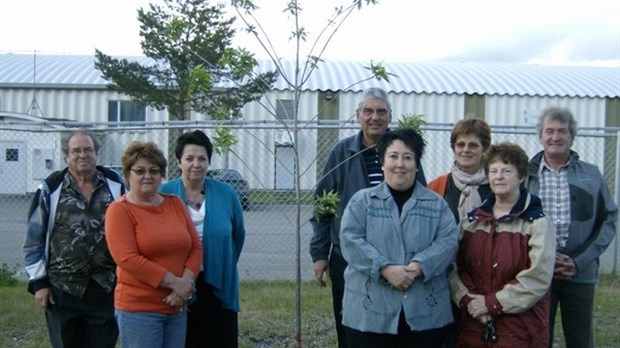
x,y
617,186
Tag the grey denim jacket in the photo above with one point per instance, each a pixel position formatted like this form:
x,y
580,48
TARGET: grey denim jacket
x,y
373,236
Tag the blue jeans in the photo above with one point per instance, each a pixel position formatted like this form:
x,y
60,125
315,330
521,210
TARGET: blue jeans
x,y
146,329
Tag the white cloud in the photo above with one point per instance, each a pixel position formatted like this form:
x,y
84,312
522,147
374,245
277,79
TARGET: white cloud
x,y
526,31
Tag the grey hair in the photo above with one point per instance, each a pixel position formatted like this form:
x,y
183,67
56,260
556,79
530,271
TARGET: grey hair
x,y
555,113
375,93
64,145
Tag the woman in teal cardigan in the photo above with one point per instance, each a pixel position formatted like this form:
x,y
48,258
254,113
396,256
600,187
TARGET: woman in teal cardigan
x,y
218,216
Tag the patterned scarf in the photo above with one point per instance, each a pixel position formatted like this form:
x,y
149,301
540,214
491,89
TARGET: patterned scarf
x,y
468,185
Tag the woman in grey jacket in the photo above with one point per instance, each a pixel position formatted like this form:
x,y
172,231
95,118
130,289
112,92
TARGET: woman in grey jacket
x,y
398,239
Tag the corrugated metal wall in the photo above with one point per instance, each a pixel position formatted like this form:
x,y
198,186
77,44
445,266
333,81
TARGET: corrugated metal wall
x,y
86,105
510,110
437,109
259,163
91,106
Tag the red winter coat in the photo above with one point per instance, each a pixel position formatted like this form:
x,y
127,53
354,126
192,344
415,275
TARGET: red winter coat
x,y
510,261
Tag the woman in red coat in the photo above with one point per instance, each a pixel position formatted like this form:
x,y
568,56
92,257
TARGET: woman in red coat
x,y
505,261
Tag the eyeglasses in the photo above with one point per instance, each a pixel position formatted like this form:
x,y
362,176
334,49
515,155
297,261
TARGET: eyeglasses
x,y
143,171
381,112
472,145
488,333
76,151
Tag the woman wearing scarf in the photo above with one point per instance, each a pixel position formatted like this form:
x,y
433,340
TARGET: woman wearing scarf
x,y
466,185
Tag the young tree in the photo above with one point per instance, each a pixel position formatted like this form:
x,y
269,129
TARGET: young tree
x,y
304,67
189,43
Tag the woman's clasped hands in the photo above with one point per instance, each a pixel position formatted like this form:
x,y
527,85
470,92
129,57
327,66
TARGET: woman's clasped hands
x,y
477,308
401,277
182,290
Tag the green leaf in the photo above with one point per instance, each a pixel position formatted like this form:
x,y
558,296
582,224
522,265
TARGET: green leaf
x,y
223,140
326,204
412,121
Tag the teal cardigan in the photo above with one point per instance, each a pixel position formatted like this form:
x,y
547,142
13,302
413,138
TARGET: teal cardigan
x,y
223,235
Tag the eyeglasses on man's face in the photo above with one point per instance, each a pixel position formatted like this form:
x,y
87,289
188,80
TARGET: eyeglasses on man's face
x,y
381,112
76,151
143,171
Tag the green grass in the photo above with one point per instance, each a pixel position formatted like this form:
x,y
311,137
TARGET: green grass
x,y
267,317
606,315
279,197
22,324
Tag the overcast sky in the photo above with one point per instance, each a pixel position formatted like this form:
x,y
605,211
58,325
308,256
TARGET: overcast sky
x,y
527,31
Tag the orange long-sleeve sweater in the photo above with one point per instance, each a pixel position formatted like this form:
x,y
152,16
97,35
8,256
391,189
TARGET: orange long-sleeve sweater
x,y
145,242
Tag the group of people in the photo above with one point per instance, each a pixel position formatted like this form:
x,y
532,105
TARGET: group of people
x,y
154,263
482,256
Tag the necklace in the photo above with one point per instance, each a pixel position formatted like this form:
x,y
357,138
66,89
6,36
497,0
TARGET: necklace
x,y
195,205
195,201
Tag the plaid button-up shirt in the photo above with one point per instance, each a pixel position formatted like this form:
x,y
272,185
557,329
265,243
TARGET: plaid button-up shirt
x,y
555,196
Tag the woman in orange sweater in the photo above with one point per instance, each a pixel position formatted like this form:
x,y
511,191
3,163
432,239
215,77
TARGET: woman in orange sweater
x,y
157,251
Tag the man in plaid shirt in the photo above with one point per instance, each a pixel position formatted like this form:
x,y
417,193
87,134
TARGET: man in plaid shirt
x,y
576,197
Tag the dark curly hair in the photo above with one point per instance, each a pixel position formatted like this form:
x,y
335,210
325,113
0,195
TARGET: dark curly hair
x,y
196,137
508,153
412,139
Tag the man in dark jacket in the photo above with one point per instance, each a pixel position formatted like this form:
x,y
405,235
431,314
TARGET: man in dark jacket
x,y
352,164
71,272
576,197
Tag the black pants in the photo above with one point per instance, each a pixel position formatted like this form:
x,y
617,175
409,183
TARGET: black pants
x,y
576,303
404,339
337,265
451,333
209,324
82,322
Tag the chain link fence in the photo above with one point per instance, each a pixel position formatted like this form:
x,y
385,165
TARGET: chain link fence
x,y
265,157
